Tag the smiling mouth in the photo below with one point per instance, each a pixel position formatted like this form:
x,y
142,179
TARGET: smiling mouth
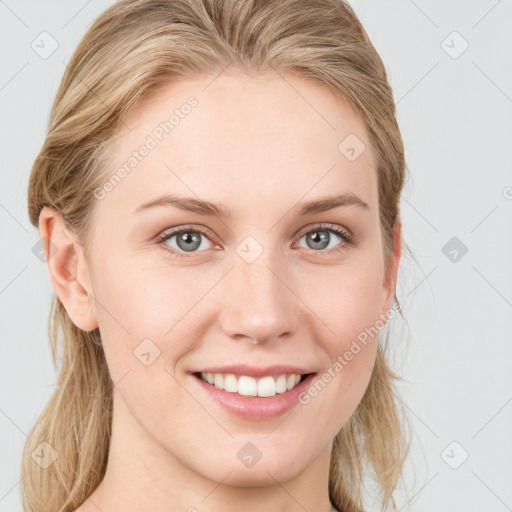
x,y
245,385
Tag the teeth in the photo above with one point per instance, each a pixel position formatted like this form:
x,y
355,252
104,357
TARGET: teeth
x,y
267,386
231,383
249,386
281,384
219,381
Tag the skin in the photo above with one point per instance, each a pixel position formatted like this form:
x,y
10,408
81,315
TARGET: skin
x,y
173,448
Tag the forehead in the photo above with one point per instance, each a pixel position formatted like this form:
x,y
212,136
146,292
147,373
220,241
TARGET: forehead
x,y
240,139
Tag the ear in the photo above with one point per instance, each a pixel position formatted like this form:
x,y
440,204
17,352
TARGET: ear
x,y
69,272
392,269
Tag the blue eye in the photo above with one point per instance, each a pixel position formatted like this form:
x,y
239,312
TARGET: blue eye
x,y
321,234
189,240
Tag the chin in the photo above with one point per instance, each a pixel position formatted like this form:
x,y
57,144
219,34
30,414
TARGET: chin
x,y
264,469
261,475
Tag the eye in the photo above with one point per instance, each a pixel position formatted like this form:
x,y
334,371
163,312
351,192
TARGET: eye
x,y
187,240
320,238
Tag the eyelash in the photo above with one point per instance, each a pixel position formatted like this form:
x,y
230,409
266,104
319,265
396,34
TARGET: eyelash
x,y
344,235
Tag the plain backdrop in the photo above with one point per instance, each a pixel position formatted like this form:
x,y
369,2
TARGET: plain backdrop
x,y
450,66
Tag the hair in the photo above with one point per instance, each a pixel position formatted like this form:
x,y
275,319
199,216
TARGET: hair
x,y
131,49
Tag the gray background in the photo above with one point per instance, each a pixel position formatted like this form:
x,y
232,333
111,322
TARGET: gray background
x,y
455,113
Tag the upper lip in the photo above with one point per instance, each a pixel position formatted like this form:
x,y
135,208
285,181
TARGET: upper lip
x,y
255,371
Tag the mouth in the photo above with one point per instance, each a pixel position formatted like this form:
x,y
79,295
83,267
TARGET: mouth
x,y
253,392
245,385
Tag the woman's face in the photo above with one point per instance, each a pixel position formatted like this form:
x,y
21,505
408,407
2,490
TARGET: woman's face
x,y
265,290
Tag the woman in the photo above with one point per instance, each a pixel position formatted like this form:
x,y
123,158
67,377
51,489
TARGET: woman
x,y
218,195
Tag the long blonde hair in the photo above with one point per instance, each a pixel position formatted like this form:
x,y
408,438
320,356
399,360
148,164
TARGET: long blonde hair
x,y
133,47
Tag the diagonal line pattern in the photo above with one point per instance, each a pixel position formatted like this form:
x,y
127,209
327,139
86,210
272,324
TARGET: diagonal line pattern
x,y
400,399
198,301
194,193
74,15
323,323
492,8
13,218
216,487
198,402
417,83
493,287
508,507
306,193
217,76
13,487
3,3
425,278
90,499
280,423
287,492
484,218
492,81
424,14
418,492
14,76
508,401
422,216
13,423
13,279
97,301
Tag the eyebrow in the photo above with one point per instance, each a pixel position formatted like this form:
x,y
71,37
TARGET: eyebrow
x,y
218,210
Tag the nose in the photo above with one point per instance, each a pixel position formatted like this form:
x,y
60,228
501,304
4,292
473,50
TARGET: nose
x,y
259,303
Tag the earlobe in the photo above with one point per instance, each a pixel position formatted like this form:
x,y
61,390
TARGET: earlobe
x,y
68,269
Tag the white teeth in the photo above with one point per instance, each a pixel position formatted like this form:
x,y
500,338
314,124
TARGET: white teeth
x,y
249,386
266,386
231,383
281,384
219,381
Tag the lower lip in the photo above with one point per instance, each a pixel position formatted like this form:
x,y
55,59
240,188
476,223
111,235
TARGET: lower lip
x,y
256,407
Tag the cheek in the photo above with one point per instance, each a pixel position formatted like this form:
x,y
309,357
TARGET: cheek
x,y
352,300
351,311
147,307
351,306
139,297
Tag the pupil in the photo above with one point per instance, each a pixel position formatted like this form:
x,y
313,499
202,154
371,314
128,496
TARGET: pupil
x,y
319,237
189,238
